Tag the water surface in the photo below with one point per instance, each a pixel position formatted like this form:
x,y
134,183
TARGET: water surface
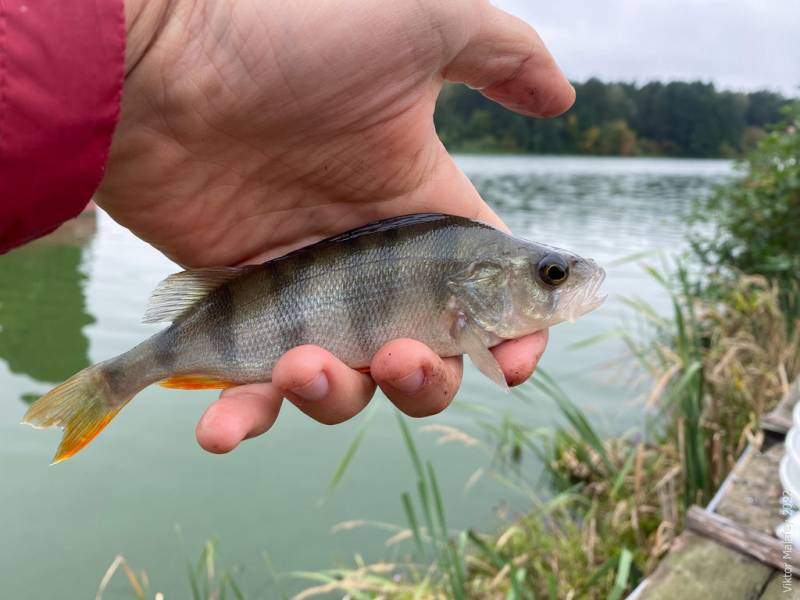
x,y
78,297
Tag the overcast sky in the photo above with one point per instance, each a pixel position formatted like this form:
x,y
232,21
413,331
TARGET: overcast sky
x,y
737,44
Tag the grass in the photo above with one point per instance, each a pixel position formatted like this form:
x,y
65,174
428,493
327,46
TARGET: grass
x,y
206,578
533,558
617,504
716,365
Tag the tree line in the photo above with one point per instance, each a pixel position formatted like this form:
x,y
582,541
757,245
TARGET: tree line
x,y
678,118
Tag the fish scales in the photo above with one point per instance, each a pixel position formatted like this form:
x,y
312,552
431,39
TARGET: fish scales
x,y
457,285
350,301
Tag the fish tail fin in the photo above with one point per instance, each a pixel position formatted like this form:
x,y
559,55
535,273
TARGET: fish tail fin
x,y
82,406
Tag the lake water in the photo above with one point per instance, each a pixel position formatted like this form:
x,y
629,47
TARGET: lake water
x,y
78,296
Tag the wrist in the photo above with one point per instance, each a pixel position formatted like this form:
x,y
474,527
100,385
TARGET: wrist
x,y
143,19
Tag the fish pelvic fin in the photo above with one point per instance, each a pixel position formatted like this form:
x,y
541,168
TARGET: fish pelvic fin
x,y
181,291
82,406
195,382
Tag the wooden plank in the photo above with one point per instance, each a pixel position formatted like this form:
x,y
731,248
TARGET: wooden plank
x,y
751,493
754,496
740,465
762,547
782,587
698,568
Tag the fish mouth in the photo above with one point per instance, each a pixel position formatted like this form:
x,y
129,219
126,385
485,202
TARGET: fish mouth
x,y
589,297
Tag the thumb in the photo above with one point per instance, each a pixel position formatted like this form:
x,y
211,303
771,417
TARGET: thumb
x,y
507,61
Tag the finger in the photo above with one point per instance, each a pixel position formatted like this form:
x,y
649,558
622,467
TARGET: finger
x,y
240,413
415,379
321,385
507,61
518,358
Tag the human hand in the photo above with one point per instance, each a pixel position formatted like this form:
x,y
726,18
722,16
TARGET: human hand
x,y
250,128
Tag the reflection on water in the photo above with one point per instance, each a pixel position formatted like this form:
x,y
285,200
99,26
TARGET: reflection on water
x,y
127,491
43,307
606,209
596,205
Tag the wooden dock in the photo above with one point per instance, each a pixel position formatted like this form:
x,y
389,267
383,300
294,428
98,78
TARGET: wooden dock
x,y
729,549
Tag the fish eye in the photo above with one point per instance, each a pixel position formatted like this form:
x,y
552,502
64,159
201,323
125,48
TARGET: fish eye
x,y
553,270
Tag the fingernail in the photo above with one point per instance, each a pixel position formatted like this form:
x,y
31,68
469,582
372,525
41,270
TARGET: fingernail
x,y
316,389
410,384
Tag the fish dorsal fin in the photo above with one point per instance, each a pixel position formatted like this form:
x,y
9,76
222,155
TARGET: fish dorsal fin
x,y
180,291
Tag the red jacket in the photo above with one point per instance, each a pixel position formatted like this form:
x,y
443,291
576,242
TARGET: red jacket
x,y
62,66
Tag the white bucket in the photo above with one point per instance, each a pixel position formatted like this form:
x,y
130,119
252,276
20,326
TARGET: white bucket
x,y
790,464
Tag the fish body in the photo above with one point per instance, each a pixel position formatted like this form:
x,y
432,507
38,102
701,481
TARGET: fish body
x,y
457,285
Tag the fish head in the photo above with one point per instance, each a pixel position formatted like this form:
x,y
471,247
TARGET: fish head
x,y
549,285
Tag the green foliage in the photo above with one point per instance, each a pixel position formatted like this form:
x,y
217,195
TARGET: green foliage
x,y
449,558
350,453
672,351
207,580
672,119
617,504
754,220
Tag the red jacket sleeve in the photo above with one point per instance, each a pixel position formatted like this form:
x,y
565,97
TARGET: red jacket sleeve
x,y
62,65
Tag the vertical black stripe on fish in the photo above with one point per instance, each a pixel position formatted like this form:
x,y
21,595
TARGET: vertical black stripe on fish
x,y
362,312
448,243
385,310
163,348
299,273
125,373
291,290
115,376
222,335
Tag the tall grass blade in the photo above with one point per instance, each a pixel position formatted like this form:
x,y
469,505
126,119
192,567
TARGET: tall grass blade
x,y
349,454
422,485
412,448
645,310
600,572
623,573
231,582
193,582
411,517
574,415
623,472
595,339
273,575
458,571
552,587
634,257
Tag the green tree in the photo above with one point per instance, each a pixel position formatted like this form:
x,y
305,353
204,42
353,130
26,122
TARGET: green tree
x,y
675,119
617,139
755,218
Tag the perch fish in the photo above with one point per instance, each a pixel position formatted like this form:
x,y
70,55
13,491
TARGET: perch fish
x,y
457,285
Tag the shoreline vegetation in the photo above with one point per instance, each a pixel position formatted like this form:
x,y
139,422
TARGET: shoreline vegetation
x,y
687,119
723,358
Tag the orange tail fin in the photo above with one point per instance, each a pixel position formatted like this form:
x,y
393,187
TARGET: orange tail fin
x,y
82,406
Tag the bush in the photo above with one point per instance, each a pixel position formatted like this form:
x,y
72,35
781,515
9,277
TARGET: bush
x,y
754,219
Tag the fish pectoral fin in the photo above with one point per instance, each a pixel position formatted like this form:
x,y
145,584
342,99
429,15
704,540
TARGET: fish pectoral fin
x,y
180,291
471,343
196,382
